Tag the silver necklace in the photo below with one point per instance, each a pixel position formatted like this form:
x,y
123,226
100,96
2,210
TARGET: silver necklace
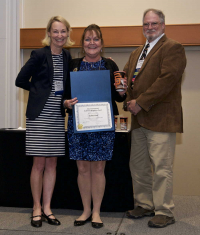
x,y
92,63
55,53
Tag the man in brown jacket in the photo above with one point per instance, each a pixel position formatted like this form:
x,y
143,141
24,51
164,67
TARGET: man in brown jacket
x,y
154,73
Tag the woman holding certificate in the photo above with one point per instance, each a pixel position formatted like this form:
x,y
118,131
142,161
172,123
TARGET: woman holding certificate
x,y
91,150
44,77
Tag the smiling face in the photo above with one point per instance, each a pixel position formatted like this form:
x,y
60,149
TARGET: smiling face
x,y
152,26
92,46
58,34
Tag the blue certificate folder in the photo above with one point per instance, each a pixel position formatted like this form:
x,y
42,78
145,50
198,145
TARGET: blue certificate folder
x,y
91,87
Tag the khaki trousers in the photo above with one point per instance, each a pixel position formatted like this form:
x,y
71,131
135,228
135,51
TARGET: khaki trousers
x,y
151,166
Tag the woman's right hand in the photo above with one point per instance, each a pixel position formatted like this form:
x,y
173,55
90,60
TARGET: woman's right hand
x,y
68,103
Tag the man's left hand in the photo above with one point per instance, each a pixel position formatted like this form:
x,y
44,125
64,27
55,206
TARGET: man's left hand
x,y
133,107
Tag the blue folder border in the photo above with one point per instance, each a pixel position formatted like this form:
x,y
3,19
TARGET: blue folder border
x,y
91,87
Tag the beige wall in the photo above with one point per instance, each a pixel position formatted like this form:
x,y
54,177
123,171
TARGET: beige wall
x,y
107,12
128,12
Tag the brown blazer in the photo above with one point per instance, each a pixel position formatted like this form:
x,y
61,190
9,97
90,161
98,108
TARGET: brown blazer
x,y
157,87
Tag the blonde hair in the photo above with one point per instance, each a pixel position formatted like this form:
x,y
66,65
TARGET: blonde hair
x,y
47,40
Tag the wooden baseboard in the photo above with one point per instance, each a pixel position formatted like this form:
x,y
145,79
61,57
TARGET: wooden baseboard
x,y
116,36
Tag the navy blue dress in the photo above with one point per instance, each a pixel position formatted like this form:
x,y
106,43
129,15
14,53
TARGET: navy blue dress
x,y
91,146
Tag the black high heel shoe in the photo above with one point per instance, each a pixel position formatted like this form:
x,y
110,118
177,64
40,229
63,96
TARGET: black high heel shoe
x,y
82,222
36,223
49,220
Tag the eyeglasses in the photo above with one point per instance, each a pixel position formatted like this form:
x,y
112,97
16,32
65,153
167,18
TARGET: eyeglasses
x,y
153,24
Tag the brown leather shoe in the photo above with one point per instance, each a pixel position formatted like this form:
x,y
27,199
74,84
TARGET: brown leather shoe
x,y
139,212
160,221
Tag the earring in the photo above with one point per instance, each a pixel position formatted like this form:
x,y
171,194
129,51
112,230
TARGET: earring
x,y
101,50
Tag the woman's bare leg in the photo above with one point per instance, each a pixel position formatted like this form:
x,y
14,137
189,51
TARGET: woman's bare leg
x,y
49,180
36,180
98,188
84,184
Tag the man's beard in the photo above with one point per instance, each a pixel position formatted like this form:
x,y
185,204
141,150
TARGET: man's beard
x,y
151,37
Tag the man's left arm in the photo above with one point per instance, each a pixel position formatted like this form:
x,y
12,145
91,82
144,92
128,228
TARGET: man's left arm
x,y
172,68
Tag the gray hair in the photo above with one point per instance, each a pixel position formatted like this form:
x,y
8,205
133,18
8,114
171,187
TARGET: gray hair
x,y
157,12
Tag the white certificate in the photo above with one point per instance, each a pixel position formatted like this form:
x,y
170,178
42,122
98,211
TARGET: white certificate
x,y
92,116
